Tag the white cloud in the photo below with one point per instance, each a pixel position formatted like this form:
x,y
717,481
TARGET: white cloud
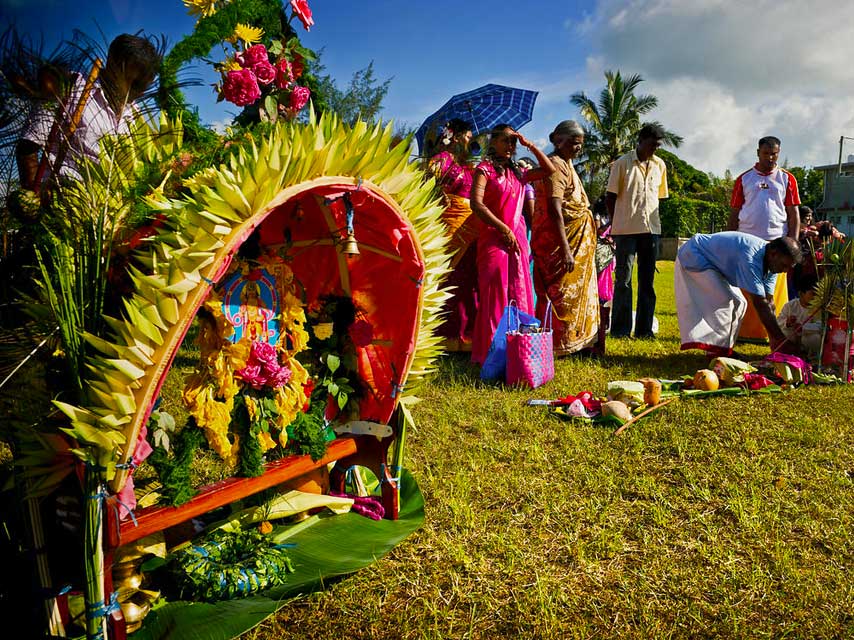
x,y
726,74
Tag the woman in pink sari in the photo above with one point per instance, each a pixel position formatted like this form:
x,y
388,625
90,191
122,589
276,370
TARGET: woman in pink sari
x,y
502,248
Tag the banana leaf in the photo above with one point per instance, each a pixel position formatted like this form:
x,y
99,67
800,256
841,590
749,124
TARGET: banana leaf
x,y
335,545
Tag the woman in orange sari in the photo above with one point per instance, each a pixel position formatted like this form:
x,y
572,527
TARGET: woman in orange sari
x,y
563,241
452,172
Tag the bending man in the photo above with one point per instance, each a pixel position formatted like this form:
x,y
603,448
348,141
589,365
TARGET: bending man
x,y
712,271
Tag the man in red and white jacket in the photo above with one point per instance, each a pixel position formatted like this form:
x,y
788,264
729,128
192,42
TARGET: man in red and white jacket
x,y
765,198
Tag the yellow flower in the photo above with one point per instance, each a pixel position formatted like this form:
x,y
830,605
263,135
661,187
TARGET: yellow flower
x,y
247,33
322,330
238,353
251,408
202,8
265,527
266,441
230,65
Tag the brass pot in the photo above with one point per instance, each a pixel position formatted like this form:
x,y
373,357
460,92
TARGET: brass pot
x,y
127,576
134,613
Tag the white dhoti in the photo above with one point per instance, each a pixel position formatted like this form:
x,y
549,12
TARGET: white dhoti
x,y
709,309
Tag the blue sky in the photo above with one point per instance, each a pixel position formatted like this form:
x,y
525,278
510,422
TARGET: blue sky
x,y
718,85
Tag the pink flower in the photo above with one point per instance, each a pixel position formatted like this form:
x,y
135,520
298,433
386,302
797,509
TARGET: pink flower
x,y
280,376
361,333
265,72
241,87
252,375
303,12
284,74
253,55
263,369
299,97
263,353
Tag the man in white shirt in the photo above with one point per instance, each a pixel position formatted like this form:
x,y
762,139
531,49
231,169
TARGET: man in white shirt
x,y
132,64
638,180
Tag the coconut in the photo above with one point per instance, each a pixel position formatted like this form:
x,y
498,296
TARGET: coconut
x,y
706,379
730,371
618,409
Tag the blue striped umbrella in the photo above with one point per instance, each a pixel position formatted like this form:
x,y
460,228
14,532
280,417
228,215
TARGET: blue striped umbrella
x,y
484,108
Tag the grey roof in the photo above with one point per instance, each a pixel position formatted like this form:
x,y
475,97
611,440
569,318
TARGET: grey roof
x,y
846,166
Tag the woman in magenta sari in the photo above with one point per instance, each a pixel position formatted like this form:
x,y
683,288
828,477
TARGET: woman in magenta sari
x,y
449,166
502,248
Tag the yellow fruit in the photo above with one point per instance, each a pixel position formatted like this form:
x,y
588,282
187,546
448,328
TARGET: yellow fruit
x,y
706,379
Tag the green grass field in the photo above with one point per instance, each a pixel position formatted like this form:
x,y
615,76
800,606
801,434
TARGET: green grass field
x,y
718,517
723,517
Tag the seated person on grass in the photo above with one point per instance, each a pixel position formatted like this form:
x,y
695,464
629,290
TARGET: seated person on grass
x,y
796,314
709,273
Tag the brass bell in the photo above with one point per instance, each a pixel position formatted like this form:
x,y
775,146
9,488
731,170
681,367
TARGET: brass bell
x,y
350,246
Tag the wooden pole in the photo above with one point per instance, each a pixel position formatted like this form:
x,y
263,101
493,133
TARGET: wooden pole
x,y
51,607
72,127
643,413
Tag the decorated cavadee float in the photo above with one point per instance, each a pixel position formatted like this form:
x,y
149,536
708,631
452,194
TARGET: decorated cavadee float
x,y
229,331
307,269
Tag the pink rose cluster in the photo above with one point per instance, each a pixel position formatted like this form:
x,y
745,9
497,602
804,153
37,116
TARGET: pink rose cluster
x,y
263,369
242,86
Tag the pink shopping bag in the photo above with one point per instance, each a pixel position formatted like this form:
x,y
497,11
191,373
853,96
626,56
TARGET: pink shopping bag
x,y
530,351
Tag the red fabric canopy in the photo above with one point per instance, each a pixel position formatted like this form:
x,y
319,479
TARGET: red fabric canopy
x,y
384,280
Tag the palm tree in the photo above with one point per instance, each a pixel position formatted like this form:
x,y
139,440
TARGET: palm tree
x,y
613,123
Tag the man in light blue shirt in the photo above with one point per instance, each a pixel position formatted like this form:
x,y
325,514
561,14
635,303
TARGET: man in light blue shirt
x,y
710,271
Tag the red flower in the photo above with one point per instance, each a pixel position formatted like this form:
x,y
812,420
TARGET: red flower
x,y
143,232
303,12
241,87
265,72
361,333
297,66
307,388
299,97
284,74
253,55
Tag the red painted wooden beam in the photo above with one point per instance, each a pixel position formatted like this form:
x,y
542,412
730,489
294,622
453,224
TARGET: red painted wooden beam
x,y
158,518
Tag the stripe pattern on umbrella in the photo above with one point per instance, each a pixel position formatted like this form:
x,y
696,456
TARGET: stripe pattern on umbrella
x,y
484,108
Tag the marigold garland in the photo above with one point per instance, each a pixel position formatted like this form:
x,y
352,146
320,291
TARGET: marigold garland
x,y
210,392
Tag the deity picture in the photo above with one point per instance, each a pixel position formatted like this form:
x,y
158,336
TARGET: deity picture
x,y
251,304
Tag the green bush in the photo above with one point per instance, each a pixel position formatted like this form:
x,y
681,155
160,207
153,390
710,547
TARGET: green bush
x,y
683,217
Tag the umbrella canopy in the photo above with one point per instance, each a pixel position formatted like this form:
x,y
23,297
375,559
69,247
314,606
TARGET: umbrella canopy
x,y
484,108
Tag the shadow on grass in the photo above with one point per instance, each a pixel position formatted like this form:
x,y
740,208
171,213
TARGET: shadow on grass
x,y
457,368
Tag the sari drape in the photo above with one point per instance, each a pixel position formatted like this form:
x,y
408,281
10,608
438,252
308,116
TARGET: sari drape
x,y
574,294
503,275
462,229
